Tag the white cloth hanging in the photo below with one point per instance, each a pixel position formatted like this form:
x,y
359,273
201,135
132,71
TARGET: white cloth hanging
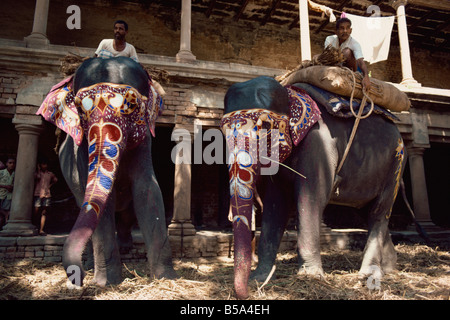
x,y
373,34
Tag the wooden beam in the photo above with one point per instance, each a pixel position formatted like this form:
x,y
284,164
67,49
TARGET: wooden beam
x,y
294,22
423,19
210,8
431,4
241,10
272,10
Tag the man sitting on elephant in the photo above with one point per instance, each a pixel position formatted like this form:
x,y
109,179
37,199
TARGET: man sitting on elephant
x,y
118,46
350,48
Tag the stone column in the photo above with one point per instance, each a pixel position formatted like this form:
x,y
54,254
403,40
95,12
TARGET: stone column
x,y
419,185
185,53
407,76
38,37
181,224
305,43
19,223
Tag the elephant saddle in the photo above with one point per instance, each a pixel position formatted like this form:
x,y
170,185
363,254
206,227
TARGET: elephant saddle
x,y
339,106
69,110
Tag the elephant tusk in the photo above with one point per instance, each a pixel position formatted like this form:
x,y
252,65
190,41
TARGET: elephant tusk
x,y
268,277
284,166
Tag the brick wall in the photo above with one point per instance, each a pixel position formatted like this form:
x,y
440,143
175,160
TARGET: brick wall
x,y
204,244
10,85
155,30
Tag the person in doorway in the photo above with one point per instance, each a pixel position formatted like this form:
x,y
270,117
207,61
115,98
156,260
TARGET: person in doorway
x,y
42,197
118,46
350,48
6,188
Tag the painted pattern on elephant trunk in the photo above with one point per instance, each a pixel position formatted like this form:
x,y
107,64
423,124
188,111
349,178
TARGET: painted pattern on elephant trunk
x,y
257,139
112,116
249,134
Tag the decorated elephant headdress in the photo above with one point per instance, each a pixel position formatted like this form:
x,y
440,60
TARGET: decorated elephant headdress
x,y
70,111
292,125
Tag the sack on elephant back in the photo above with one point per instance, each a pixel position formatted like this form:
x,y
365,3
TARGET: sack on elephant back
x,y
340,81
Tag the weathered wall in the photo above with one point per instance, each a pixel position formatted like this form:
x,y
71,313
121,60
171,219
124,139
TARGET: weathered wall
x,y
155,30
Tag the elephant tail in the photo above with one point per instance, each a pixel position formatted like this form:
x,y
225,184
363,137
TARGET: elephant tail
x,y
419,228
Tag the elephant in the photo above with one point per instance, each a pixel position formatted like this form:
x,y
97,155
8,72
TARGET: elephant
x,y
303,144
108,109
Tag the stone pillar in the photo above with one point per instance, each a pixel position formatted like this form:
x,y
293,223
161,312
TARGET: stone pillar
x,y
185,53
19,223
419,185
407,76
38,37
181,224
305,43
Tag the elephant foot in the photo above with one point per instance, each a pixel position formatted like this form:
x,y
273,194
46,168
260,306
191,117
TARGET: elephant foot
x,y
312,271
103,279
372,275
164,272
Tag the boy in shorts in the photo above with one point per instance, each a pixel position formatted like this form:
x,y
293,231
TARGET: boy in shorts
x,y
6,188
44,179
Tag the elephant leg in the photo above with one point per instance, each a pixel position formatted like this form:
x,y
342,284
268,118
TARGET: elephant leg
x,y
108,268
311,200
149,209
379,251
273,224
308,243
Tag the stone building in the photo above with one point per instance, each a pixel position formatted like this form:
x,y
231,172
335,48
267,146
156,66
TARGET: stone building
x,y
205,46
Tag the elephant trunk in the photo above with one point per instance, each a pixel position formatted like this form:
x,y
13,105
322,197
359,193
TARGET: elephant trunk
x,y
242,219
242,171
106,145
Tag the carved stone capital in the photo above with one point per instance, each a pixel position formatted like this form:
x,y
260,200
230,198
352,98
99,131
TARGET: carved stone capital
x,y
397,3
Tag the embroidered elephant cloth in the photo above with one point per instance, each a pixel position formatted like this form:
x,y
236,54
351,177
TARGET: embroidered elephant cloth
x,y
303,114
254,129
70,112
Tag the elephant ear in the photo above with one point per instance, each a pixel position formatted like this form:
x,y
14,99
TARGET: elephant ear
x,y
59,109
304,113
155,107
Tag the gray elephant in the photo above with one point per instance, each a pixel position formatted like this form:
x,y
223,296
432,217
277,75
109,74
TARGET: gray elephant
x,y
266,125
108,110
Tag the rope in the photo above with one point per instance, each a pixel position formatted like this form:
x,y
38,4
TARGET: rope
x,y
358,117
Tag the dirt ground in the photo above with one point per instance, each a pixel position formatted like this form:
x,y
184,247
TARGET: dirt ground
x,y
423,274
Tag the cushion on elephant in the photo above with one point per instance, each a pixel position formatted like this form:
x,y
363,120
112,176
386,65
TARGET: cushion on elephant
x,y
339,106
60,105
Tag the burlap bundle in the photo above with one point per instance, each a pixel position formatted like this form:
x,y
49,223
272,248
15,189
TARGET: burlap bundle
x,y
340,81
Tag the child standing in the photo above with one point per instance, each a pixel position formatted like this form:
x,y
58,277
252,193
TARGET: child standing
x,y
6,188
44,179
